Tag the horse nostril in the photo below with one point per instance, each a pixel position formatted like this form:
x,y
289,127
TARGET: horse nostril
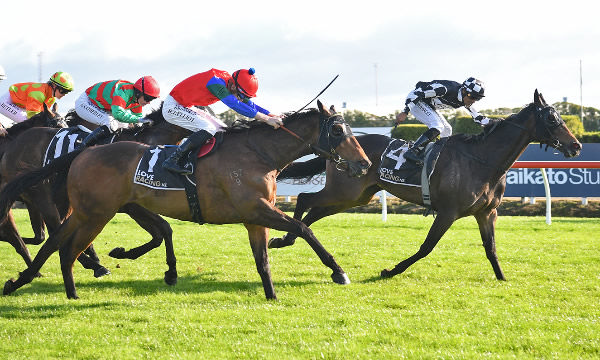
x,y
365,164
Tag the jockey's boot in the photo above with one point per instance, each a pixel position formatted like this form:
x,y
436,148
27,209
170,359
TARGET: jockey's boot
x,y
415,153
193,141
98,134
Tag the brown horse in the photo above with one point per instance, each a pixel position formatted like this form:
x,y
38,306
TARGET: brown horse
x,y
8,230
236,184
469,179
27,153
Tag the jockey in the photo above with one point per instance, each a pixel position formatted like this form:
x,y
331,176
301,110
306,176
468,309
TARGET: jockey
x,y
115,104
428,97
24,100
187,106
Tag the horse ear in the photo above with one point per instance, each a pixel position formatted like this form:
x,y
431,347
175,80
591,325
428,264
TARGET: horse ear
x,y
320,105
332,109
54,107
543,100
536,97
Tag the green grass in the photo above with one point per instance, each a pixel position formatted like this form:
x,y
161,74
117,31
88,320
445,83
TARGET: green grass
x,y
448,305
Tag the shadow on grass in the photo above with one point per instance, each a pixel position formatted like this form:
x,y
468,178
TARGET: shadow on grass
x,y
192,284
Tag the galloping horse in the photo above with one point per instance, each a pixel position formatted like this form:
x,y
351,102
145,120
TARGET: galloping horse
x,y
28,153
8,230
469,178
236,184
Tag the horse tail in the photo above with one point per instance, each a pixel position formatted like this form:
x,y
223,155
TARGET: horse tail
x,y
303,170
13,189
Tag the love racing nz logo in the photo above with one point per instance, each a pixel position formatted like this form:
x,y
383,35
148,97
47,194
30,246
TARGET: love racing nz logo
x,y
148,179
555,176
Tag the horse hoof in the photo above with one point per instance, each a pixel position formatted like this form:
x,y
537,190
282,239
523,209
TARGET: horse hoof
x,y
101,271
117,253
171,277
8,287
385,273
275,243
340,278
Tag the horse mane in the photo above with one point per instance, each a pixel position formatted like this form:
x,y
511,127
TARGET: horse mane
x,y
245,125
155,115
17,128
482,136
72,118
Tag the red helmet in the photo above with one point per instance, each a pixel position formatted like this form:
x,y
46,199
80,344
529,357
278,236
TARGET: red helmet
x,y
148,86
246,81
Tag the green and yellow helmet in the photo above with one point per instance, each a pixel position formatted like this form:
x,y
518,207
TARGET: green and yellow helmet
x,y
63,79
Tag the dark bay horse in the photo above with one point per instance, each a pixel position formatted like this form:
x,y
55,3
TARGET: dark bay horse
x,y
27,153
236,184
8,231
469,179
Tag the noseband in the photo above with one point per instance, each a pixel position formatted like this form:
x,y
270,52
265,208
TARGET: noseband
x,y
547,121
330,138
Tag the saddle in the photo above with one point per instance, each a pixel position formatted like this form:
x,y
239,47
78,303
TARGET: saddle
x,y
67,140
150,173
395,169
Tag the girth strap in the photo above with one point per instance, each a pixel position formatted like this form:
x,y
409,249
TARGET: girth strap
x,y
193,202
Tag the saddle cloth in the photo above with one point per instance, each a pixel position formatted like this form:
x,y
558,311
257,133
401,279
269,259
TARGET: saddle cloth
x,y
66,140
150,173
396,170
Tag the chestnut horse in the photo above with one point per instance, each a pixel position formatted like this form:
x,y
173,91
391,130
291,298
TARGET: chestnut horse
x,y
27,153
236,184
469,178
8,230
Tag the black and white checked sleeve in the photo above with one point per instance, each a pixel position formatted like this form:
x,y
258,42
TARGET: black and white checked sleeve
x,y
425,91
477,117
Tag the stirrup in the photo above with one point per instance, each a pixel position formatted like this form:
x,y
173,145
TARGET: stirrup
x,y
174,167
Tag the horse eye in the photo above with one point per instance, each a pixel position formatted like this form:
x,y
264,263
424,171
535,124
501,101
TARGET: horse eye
x,y
337,130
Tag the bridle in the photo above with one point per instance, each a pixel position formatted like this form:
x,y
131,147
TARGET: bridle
x,y
547,120
332,131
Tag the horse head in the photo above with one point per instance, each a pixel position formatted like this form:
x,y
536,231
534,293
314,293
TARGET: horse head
x,y
51,118
338,144
550,128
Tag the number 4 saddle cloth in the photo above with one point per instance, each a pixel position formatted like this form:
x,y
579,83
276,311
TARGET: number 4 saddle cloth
x,y
395,169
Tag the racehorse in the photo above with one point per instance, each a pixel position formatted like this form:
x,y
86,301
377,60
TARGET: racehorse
x,y
469,178
236,184
8,231
28,153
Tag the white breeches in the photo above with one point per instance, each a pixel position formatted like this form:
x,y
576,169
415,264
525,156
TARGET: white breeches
x,y
87,110
192,118
428,116
11,111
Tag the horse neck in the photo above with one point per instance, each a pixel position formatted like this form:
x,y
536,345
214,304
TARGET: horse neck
x,y
504,146
279,148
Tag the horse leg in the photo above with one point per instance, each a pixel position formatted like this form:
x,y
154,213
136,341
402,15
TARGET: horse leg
x,y
71,249
440,225
9,233
321,204
258,236
52,244
275,219
51,216
37,225
487,226
160,229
